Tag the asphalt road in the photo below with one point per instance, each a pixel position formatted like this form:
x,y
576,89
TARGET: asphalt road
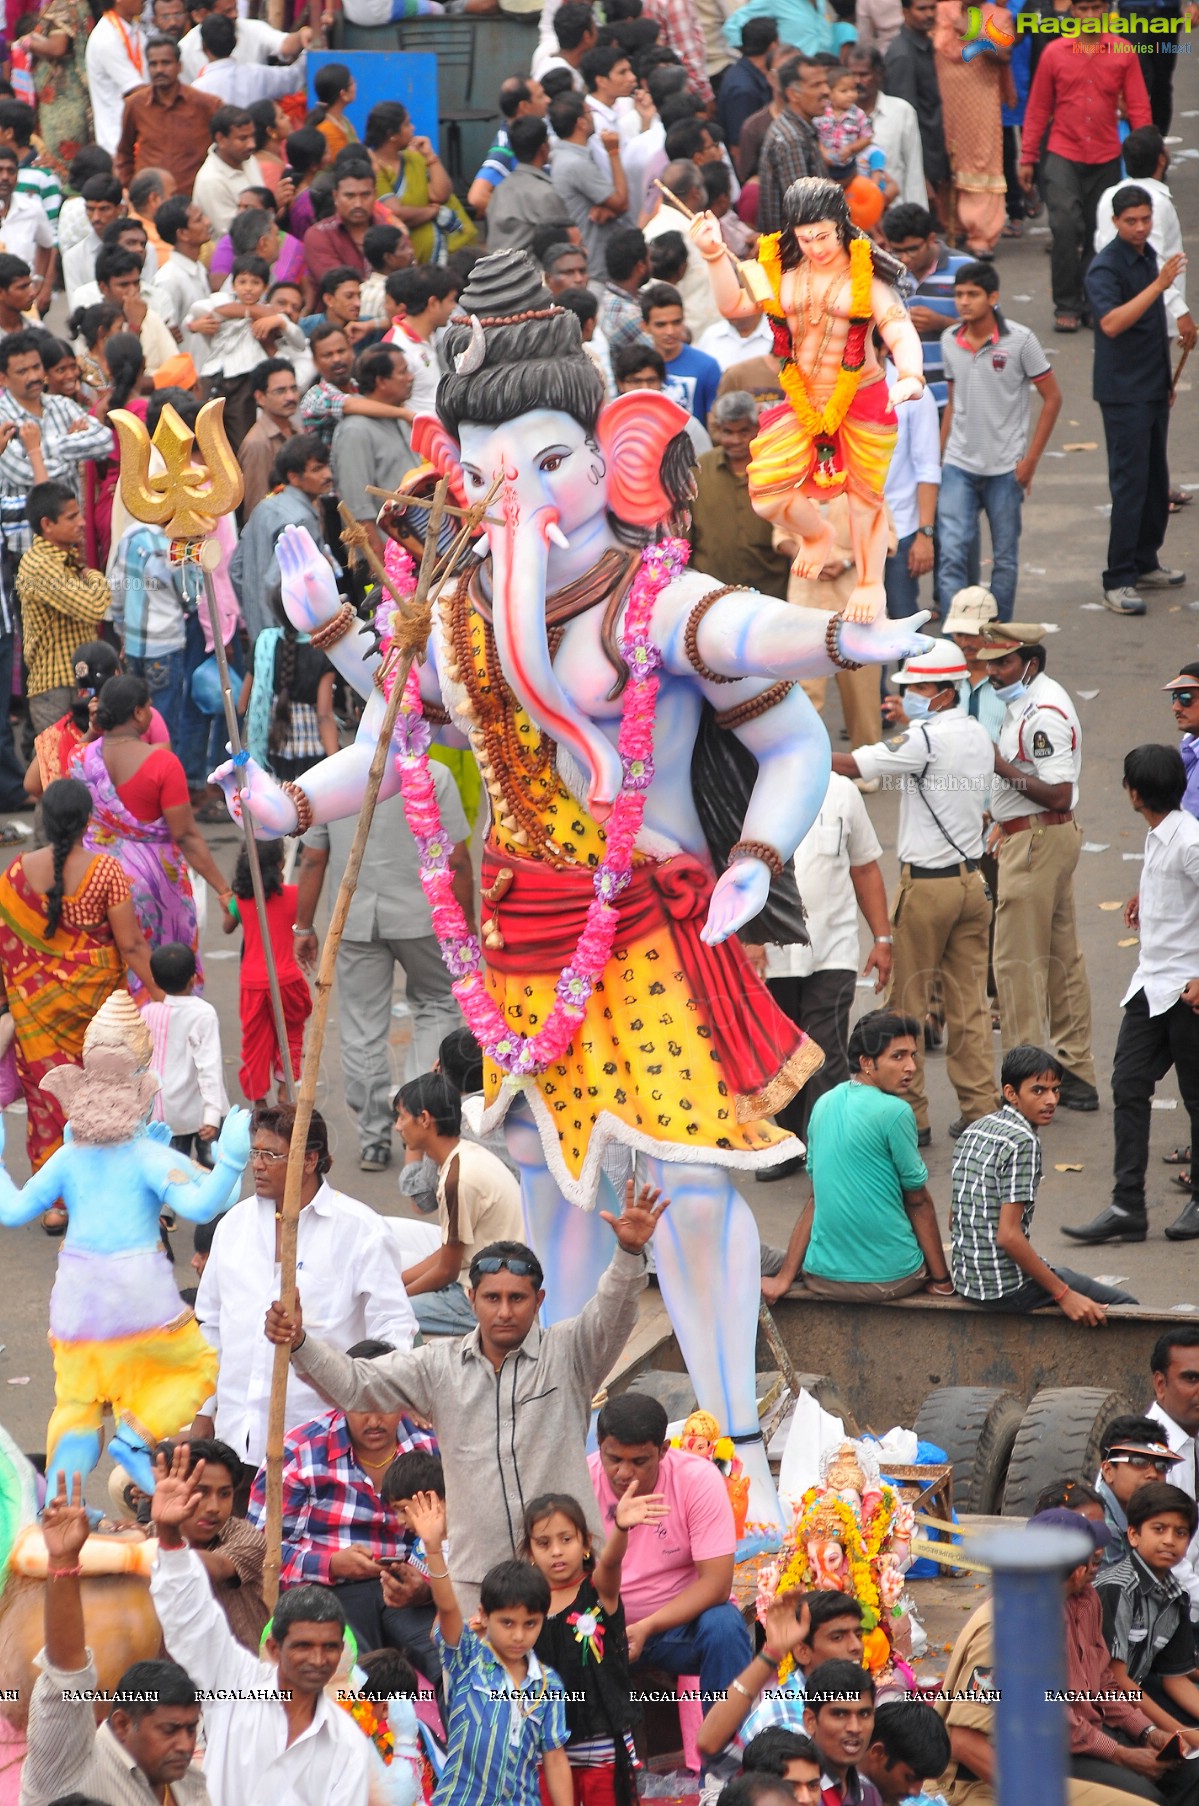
x,y
1113,667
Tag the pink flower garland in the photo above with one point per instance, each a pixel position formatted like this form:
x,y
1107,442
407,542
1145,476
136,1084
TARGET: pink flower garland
x,y
522,1056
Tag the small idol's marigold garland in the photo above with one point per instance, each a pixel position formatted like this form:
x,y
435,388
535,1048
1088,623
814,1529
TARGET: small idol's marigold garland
x,y
862,1551
523,1056
821,423
370,1715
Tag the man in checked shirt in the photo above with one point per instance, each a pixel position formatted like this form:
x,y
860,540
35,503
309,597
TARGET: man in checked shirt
x,y
338,1531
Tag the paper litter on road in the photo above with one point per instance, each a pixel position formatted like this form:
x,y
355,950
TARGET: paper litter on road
x,y
1164,1103
1104,508
1021,297
1094,846
1094,608
865,984
1112,1279
1067,1166
1081,445
1132,855
1087,695
20,1380
1111,906
1133,941
1053,454
1036,570
1184,1307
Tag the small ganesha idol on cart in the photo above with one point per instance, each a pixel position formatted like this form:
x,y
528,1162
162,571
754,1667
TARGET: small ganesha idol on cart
x,y
851,1534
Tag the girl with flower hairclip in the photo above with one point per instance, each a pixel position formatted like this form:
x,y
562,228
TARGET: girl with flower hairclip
x,y
583,1637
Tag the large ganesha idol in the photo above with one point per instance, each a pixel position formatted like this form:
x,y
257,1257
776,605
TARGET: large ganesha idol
x,y
651,764
851,1534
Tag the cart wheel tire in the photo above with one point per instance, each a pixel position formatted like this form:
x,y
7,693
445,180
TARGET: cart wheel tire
x,y
977,1427
1059,1440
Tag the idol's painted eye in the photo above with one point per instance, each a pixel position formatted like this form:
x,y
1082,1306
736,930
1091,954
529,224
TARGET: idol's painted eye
x,y
553,460
474,477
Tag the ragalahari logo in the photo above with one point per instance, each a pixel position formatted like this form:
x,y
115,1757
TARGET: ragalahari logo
x,y
982,36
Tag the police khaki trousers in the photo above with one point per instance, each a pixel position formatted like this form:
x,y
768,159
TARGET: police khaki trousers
x,y
1040,975
940,930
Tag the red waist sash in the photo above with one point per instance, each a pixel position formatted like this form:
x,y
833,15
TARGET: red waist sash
x,y
542,913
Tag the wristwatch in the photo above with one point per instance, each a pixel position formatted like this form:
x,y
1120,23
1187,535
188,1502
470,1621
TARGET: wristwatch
x,y
928,532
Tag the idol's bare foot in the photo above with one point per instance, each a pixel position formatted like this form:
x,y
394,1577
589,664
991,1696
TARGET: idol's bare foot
x,y
866,602
814,554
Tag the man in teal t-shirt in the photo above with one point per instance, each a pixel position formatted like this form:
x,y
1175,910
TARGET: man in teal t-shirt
x,y
870,1230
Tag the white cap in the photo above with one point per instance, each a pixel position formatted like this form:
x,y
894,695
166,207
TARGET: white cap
x,y
944,665
970,610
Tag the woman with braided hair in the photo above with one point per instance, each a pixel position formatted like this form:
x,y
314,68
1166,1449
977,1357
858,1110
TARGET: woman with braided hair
x,y
68,932
287,699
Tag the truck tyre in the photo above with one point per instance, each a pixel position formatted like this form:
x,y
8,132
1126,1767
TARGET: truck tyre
x,y
977,1427
1059,1440
827,1394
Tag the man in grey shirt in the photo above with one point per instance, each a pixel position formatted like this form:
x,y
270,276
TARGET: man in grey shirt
x,y
595,198
303,469
370,452
526,198
510,1402
389,923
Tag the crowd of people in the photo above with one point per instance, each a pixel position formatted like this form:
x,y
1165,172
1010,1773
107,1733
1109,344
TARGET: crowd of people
x,y
473,1606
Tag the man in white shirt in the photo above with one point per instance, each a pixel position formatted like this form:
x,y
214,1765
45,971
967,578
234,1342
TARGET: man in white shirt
x,y
116,62
183,280
732,341
837,871
229,168
271,1730
617,104
912,485
1160,1026
1146,159
942,912
895,125
256,40
102,196
25,229
348,1270
1174,1365
237,82
684,180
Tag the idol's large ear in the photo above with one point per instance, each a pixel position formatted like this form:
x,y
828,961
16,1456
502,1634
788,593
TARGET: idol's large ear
x,y
634,432
430,440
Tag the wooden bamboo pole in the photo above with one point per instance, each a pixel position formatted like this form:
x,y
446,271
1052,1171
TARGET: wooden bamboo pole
x,y
432,571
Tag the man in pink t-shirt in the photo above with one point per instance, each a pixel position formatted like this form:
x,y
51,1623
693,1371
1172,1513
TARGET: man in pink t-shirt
x,y
676,1576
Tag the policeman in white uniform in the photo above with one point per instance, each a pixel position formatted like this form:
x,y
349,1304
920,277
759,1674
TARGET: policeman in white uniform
x,y
1039,970
942,913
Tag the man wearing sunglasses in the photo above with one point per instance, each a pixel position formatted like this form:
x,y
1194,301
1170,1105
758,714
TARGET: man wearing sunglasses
x,y
510,1402
1183,691
1134,1451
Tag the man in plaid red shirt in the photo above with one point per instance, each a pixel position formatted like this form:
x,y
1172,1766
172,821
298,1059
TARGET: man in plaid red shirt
x,y
338,1531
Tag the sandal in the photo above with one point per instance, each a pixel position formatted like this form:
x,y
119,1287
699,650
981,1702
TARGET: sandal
x,y
1065,322
1177,1156
54,1221
1180,498
1013,229
1181,1179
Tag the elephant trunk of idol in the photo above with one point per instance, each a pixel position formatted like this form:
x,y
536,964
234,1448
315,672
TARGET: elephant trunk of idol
x,y
518,560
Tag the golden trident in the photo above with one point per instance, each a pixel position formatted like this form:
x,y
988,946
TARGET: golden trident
x,y
185,500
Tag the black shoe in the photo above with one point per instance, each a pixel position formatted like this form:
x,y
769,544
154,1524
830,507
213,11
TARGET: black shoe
x,y
934,1031
1077,1094
959,1126
1186,1227
924,1138
1112,1225
766,1175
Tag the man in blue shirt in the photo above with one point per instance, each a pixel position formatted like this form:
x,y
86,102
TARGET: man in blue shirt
x,y
746,86
1124,289
910,233
692,377
1184,701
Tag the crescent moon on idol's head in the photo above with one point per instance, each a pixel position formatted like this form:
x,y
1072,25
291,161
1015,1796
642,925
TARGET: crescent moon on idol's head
x,y
470,360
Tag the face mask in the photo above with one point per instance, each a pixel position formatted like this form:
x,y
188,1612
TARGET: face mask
x,y
915,707
1013,692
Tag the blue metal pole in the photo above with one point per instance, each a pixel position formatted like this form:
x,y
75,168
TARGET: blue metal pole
x,y
1031,1750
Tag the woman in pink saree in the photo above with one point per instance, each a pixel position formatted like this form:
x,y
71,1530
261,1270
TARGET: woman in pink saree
x,y
973,90
142,815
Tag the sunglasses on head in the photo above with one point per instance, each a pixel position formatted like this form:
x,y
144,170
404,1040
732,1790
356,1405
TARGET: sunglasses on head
x,y
520,1269
1185,697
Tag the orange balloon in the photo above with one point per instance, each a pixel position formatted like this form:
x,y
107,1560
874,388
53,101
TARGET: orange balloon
x,y
865,200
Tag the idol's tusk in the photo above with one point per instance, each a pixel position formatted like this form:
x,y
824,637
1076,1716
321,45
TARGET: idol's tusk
x,y
557,537
470,360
